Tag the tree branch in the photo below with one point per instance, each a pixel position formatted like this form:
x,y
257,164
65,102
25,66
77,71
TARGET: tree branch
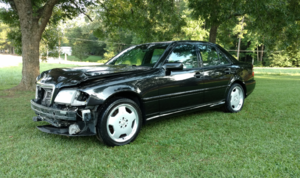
x,y
45,14
236,15
82,11
12,5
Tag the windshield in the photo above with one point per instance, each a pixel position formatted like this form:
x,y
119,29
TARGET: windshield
x,y
140,55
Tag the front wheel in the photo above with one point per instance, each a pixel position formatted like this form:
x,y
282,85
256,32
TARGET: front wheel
x,y
235,98
119,122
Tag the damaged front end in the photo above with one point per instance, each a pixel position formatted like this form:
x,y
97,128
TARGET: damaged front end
x,y
67,111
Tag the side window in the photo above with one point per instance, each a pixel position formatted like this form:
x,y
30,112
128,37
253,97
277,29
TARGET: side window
x,y
186,54
156,55
133,57
223,59
209,55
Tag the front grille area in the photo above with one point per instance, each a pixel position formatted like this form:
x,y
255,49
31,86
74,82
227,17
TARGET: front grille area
x,y
46,101
44,94
52,113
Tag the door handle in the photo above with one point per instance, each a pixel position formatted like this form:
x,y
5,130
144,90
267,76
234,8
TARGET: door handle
x,y
197,75
228,71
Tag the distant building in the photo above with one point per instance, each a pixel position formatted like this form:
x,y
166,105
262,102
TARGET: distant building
x,y
66,49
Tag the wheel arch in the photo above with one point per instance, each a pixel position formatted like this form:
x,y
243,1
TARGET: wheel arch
x,y
243,85
238,82
130,95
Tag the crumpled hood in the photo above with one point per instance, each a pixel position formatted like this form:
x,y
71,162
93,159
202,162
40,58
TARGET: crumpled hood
x,y
61,77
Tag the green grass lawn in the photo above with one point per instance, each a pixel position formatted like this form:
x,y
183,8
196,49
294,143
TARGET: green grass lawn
x,y
277,71
260,141
89,59
11,76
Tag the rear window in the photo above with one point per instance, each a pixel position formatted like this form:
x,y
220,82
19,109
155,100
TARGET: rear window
x,y
233,59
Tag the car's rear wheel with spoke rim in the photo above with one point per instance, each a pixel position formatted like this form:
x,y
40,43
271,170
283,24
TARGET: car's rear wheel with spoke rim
x,y
119,122
235,98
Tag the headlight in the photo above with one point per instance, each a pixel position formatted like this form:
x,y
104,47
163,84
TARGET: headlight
x,y
71,97
65,96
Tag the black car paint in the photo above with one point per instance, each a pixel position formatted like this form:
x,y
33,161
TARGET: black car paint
x,y
157,91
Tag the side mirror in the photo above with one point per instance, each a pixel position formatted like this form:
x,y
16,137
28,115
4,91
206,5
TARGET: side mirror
x,y
173,66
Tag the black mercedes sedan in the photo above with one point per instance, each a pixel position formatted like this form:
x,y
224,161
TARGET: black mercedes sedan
x,y
143,82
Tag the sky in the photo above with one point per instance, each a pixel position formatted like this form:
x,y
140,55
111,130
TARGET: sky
x,y
3,5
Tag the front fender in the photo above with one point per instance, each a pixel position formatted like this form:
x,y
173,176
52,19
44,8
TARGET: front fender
x,y
100,95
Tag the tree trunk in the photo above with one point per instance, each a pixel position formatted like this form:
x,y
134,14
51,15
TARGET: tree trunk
x,y
257,54
31,37
213,33
32,26
30,57
262,53
239,45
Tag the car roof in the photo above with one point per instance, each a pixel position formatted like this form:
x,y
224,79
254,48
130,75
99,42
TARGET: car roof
x,y
180,41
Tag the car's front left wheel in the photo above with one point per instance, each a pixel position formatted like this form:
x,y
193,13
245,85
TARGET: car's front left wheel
x,y
119,122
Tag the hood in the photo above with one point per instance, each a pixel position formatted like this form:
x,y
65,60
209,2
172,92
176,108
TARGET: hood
x,y
62,77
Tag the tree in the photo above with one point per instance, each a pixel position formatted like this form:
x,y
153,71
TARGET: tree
x,y
149,20
268,17
4,29
32,18
82,40
215,12
193,28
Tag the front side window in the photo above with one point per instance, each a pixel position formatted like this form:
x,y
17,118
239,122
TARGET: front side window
x,y
141,55
156,55
186,54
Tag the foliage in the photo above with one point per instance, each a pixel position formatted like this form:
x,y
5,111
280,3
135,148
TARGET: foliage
x,y
98,59
80,50
150,20
4,29
83,44
216,12
287,58
193,28
108,55
271,19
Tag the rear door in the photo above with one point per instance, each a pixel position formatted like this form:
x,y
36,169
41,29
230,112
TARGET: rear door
x,y
216,73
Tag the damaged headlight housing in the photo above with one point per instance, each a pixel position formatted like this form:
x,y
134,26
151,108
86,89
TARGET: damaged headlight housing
x,y
71,97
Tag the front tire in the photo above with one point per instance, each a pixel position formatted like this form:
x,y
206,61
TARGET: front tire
x,y
235,98
119,122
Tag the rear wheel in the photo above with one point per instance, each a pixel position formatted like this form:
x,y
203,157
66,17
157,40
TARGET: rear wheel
x,y
235,98
119,122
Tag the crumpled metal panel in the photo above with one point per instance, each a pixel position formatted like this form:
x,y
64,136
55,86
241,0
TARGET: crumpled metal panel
x,y
63,77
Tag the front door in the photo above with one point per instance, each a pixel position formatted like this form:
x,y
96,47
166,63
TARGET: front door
x,y
181,89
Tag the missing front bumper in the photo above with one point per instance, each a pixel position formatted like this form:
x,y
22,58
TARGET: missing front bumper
x,y
63,122
48,112
63,131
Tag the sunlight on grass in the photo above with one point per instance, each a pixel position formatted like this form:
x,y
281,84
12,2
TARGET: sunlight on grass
x,y
277,71
260,141
11,76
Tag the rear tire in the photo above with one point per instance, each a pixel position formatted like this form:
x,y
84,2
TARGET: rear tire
x,y
119,122
235,98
